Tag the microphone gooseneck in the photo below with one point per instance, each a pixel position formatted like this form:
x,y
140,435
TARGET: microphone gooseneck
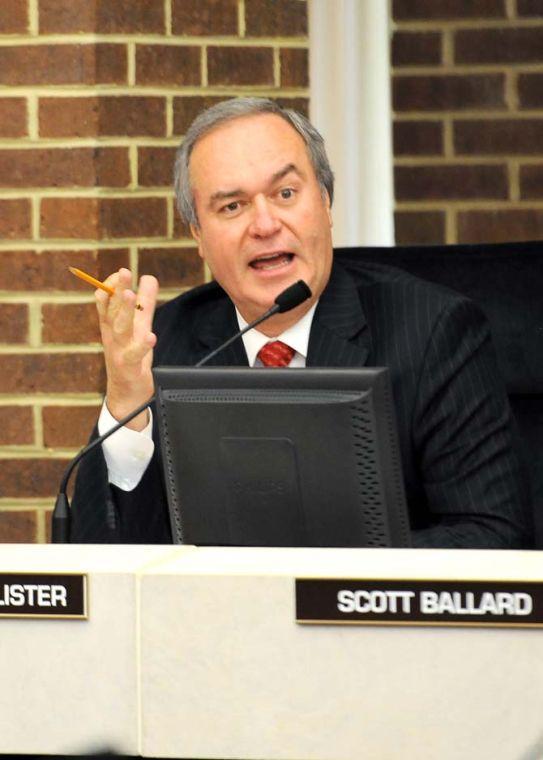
x,y
293,296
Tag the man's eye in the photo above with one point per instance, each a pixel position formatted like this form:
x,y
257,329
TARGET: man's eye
x,y
230,208
287,193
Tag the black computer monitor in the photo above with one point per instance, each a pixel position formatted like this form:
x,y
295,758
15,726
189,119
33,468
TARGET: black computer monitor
x,y
281,457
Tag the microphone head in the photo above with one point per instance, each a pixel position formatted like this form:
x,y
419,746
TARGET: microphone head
x,y
293,296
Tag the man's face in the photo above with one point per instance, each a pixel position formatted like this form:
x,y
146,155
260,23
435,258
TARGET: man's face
x,y
263,220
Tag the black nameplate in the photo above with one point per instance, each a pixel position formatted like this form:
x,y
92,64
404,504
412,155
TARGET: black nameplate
x,y
47,595
404,602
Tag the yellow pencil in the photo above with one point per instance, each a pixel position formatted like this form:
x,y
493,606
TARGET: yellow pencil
x,y
97,284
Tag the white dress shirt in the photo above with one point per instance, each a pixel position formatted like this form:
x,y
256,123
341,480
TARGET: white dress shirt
x,y
128,452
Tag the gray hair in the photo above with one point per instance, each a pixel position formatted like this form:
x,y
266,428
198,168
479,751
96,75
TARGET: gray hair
x,y
229,110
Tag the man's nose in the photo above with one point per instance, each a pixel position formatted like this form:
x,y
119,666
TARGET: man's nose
x,y
265,221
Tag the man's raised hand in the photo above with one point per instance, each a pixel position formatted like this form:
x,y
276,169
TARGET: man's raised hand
x,y
128,343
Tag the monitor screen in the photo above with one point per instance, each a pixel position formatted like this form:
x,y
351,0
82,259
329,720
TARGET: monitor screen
x,y
281,457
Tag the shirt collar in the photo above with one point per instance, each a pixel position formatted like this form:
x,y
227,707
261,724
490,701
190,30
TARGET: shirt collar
x,y
297,336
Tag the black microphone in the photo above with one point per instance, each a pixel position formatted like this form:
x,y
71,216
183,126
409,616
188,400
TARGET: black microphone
x,y
293,296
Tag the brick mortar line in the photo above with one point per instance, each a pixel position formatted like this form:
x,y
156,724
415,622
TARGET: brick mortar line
x,y
447,49
20,349
45,452
131,63
37,427
84,244
513,170
168,17
170,217
88,247
133,261
34,214
13,452
460,159
450,226
469,205
77,245
6,400
34,323
8,453
14,349
512,91
476,24
41,527
56,347
40,299
58,40
468,115
54,143
95,192
23,296
48,399
58,299
169,117
438,116
448,141
241,19
140,90
133,165
86,347
20,504
466,69
32,112
276,68
203,67
33,17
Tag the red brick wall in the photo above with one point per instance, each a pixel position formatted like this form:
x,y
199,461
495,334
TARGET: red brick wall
x,y
96,94
94,97
468,126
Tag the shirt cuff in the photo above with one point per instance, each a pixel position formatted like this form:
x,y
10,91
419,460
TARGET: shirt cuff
x,y
127,452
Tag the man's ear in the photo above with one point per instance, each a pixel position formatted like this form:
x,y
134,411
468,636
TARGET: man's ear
x,y
195,232
328,208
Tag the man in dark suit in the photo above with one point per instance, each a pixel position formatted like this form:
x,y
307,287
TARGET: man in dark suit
x,y
254,184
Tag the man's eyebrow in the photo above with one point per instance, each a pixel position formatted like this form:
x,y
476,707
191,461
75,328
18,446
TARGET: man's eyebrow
x,y
284,171
221,195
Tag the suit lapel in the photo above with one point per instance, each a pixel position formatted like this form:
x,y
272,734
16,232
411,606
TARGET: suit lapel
x,y
339,334
217,327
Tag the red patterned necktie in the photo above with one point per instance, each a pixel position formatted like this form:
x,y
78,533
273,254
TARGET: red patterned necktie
x,y
276,354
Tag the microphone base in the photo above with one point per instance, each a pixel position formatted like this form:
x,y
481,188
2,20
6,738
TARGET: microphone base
x,y
60,533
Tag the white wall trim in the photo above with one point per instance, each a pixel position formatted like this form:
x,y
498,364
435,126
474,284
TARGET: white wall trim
x,y
350,105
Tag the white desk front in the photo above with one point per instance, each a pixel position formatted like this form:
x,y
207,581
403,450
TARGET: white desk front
x,y
196,653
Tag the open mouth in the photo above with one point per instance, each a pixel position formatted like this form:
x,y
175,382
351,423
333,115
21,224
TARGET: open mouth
x,y
272,261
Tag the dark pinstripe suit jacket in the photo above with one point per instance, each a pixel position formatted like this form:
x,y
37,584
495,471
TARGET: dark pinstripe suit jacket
x,y
463,479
